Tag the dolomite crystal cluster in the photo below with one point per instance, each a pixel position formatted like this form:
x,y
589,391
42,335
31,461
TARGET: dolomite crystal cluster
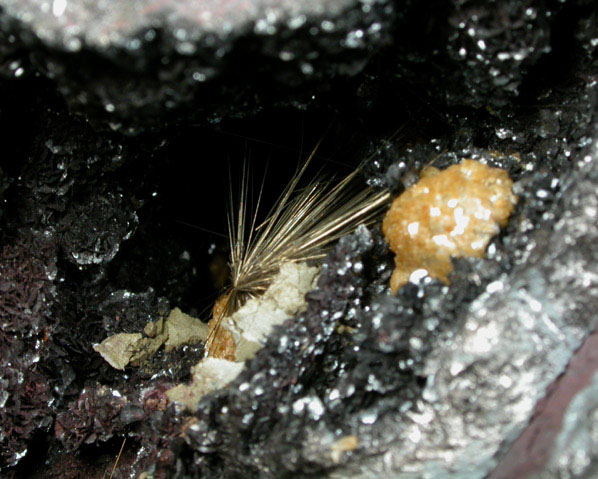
x,y
449,213
247,330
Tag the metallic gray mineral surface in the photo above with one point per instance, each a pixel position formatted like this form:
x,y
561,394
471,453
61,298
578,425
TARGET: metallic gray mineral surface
x,y
191,62
72,24
484,380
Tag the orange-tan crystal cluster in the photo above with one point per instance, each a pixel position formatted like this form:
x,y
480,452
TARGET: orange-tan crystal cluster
x,y
449,213
221,343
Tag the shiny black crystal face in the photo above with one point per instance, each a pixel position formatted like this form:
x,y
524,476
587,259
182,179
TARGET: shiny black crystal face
x,y
118,139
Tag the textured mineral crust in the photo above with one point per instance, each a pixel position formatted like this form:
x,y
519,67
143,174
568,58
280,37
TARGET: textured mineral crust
x,y
285,297
122,349
150,63
208,375
245,331
102,103
26,295
449,213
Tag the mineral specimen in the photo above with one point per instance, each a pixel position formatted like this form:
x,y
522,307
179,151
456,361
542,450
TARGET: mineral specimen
x,y
245,332
121,349
441,381
450,213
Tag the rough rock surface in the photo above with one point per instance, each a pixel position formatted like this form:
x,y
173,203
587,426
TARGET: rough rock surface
x,y
27,268
438,381
557,437
514,340
147,63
